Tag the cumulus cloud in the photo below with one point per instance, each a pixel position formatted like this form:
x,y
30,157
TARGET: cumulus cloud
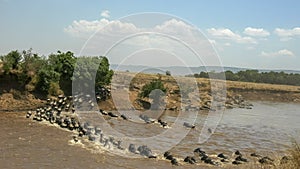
x,y
84,28
227,34
173,35
105,14
283,52
174,26
287,34
259,32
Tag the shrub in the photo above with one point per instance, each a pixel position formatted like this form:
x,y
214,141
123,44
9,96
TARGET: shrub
x,y
54,89
149,87
168,73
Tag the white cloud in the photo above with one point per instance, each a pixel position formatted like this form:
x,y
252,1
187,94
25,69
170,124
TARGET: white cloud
x,y
174,36
105,14
84,28
174,26
213,42
283,52
229,35
259,32
287,34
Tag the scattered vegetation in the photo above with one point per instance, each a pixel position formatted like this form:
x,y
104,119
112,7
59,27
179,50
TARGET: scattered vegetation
x,y
255,76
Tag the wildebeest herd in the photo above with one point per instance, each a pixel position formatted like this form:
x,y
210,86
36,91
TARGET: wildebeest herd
x,y
61,112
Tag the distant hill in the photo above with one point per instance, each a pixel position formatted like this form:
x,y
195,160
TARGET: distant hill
x,y
181,71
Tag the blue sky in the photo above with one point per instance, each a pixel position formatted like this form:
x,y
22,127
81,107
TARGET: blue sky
x,y
254,34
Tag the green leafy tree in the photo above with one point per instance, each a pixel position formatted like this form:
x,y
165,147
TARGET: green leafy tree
x,y
92,71
104,74
63,64
11,61
30,65
46,76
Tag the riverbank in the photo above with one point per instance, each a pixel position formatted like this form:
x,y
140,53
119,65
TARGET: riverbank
x,y
238,94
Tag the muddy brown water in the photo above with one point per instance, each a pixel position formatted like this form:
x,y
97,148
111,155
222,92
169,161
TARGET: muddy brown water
x,y
267,128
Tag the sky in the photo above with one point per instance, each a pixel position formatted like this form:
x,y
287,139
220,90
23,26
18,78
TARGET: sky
x,y
252,34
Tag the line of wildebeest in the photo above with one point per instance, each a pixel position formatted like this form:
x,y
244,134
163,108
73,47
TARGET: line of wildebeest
x,y
61,111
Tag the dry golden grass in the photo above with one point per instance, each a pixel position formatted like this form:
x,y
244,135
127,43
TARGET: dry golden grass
x,y
250,91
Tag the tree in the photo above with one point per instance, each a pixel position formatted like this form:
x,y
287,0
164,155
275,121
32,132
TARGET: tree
x,y
231,76
11,61
46,76
92,71
149,87
104,74
63,64
154,90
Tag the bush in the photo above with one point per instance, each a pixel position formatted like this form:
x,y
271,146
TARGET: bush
x,y
54,89
149,87
168,73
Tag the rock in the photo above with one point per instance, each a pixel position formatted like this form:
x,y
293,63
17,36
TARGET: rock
x,y
144,104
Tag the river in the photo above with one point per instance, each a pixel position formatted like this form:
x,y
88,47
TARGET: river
x,y
267,128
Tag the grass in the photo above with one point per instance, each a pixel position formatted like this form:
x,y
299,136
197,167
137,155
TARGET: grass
x,y
295,157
